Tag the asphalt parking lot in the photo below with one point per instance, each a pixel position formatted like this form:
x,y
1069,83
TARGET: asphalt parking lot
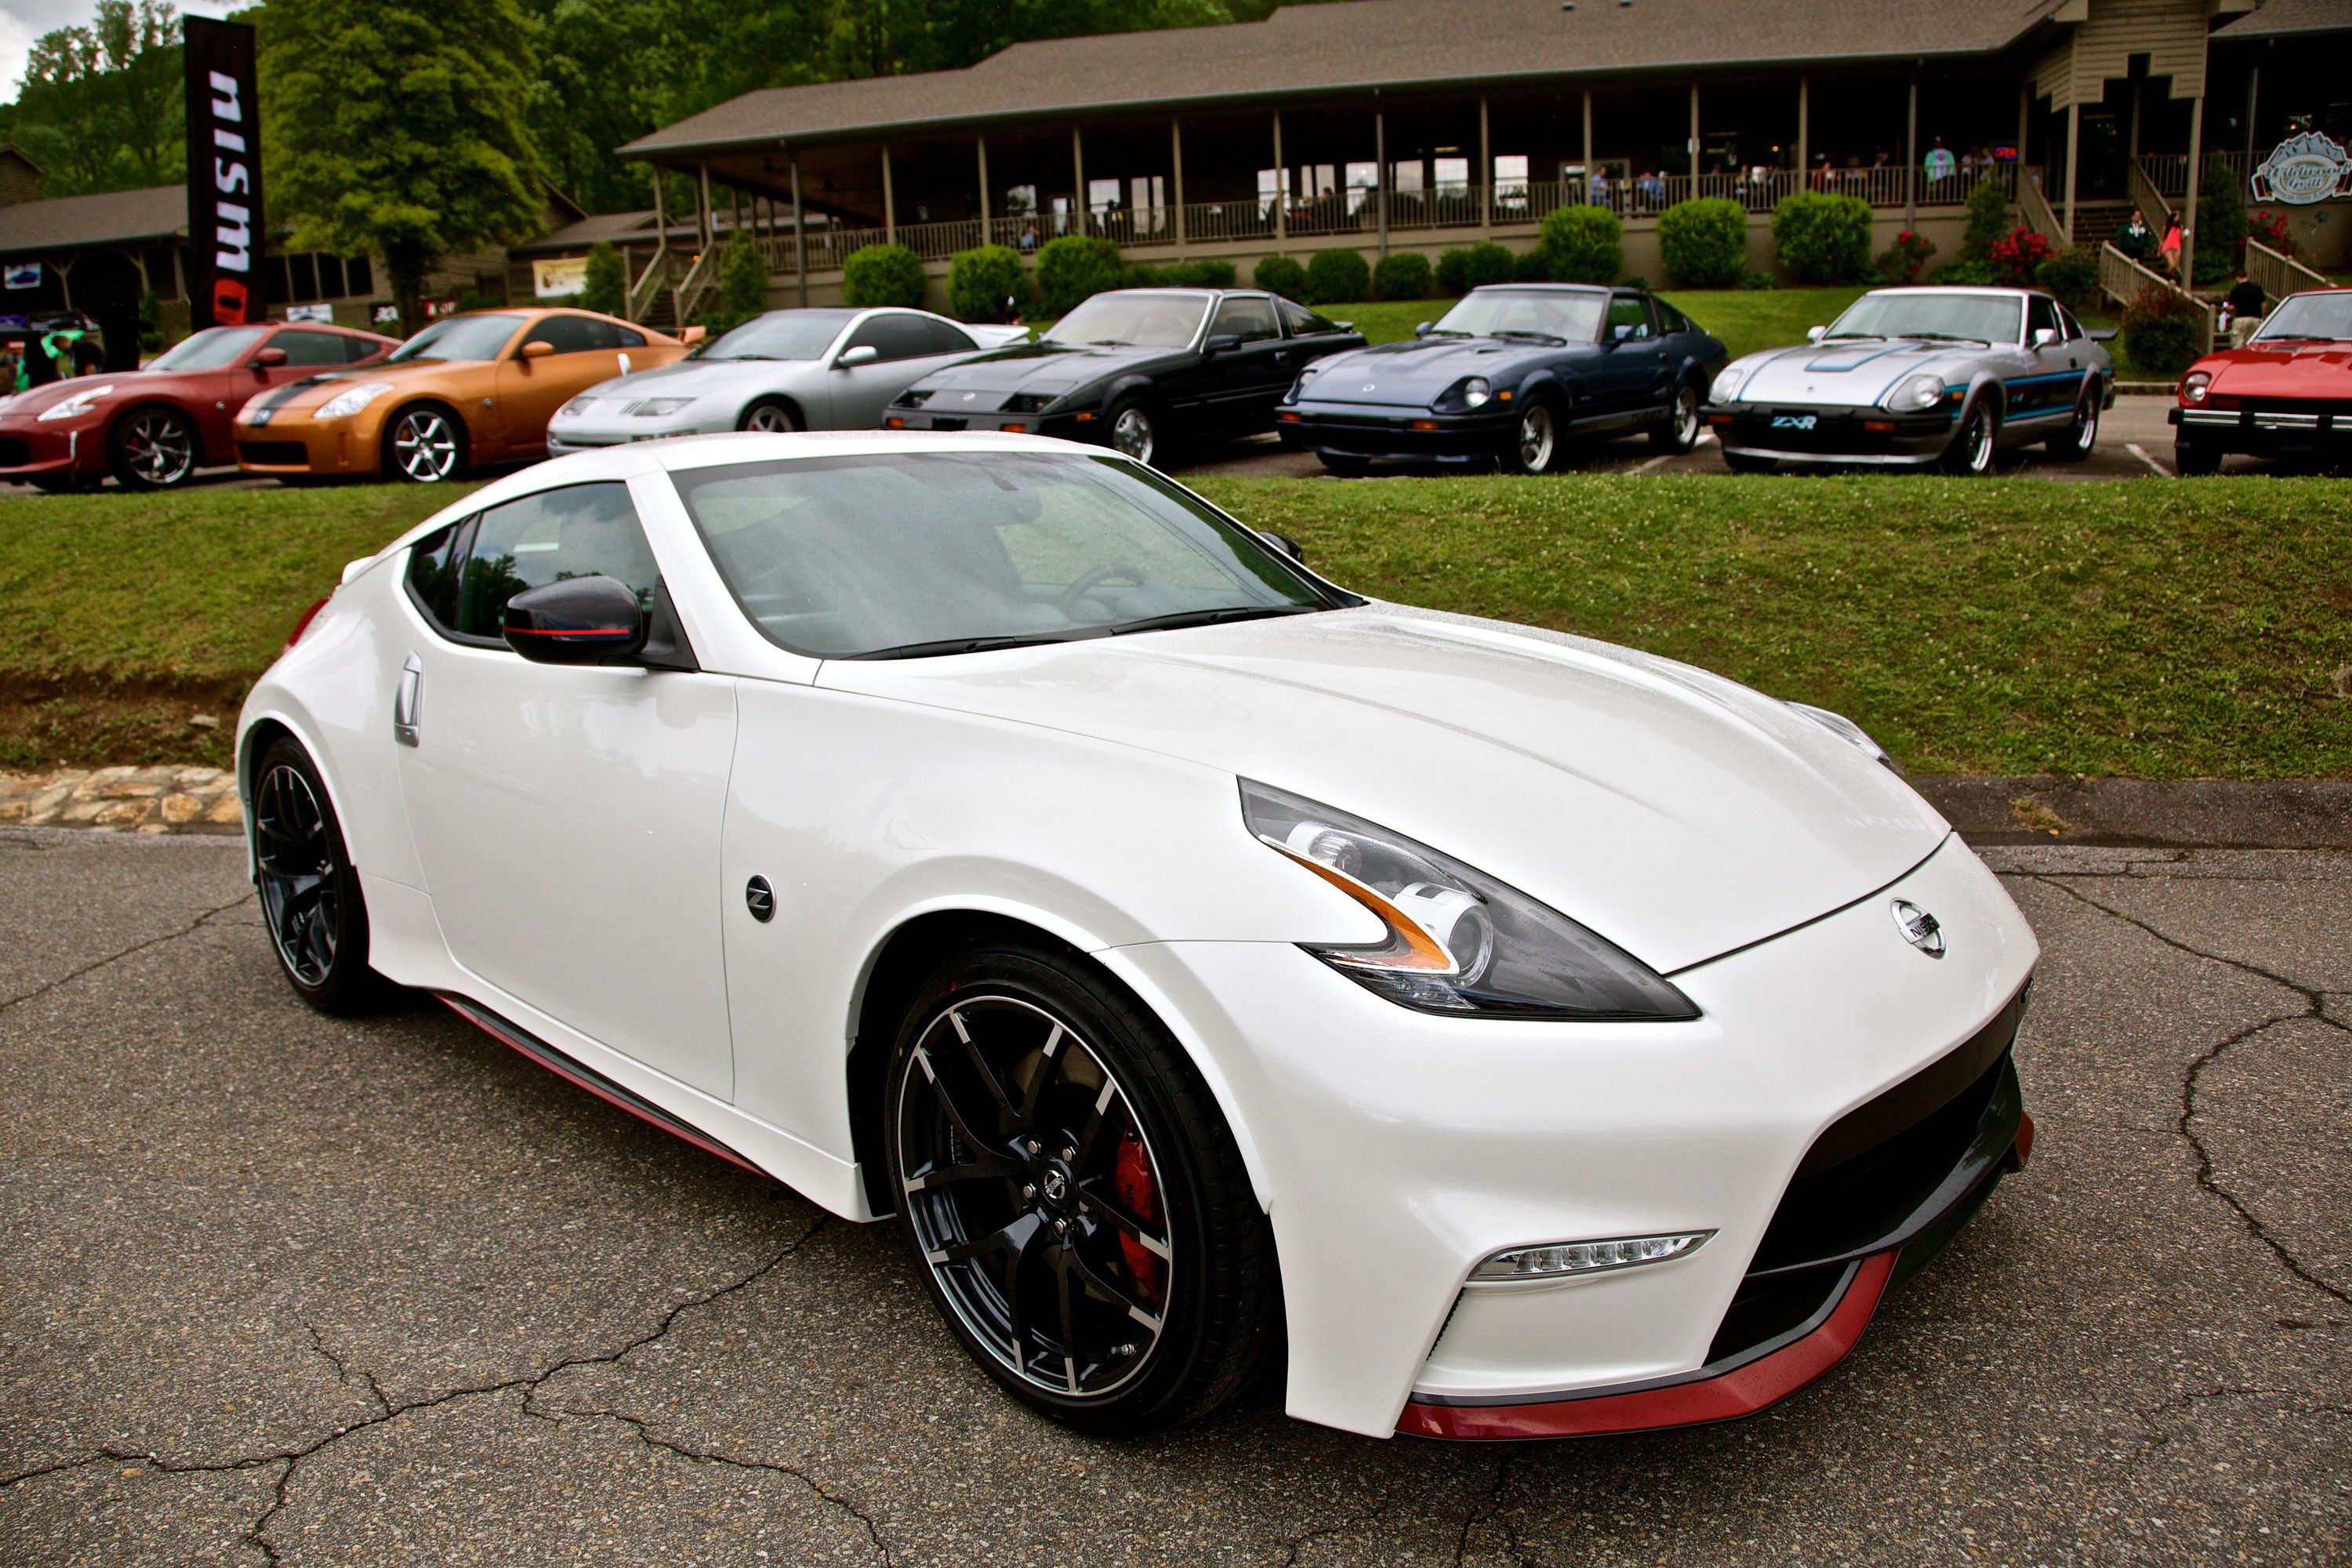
x,y
280,1288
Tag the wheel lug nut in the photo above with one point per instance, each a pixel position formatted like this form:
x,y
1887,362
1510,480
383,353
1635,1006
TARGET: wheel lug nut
x,y
1069,1153
1033,1145
1061,1225
1029,1191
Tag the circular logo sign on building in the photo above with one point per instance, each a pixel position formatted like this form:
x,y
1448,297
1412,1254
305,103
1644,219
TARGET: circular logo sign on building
x,y
2302,169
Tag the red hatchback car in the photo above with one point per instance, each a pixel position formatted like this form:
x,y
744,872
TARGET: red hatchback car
x,y
2288,392
153,428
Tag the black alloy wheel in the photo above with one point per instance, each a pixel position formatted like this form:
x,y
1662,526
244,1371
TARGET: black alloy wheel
x,y
311,897
769,414
1680,432
1076,1201
2074,444
1974,443
154,448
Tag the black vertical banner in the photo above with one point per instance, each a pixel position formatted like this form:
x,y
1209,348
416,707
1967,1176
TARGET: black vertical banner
x,y
225,237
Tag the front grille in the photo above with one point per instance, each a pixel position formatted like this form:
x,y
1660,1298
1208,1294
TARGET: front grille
x,y
274,454
942,422
14,451
1827,436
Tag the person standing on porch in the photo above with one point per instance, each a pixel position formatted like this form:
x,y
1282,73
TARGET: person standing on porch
x,y
1939,162
2169,253
1597,186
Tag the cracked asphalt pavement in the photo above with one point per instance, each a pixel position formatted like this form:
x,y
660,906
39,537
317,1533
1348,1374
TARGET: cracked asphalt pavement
x,y
282,1289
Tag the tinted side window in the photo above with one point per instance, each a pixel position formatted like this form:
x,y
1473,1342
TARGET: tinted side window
x,y
309,348
1245,318
581,531
2039,312
946,338
359,348
1671,319
629,337
434,565
574,334
1629,310
893,337
1302,322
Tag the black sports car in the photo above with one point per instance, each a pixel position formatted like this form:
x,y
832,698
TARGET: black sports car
x,y
1142,370
1508,375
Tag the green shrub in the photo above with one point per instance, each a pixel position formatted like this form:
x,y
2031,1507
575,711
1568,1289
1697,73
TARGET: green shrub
x,y
743,287
2220,224
1465,268
2161,331
980,278
882,275
1822,238
1581,245
1966,275
1988,222
1534,267
1198,275
1281,275
1403,275
1074,268
2073,275
606,288
1901,262
1759,281
1335,276
1703,243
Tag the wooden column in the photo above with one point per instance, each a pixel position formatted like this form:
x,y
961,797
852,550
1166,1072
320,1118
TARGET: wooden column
x,y
982,144
1804,132
1381,167
1587,145
1078,173
1281,192
1485,173
800,234
2074,162
2024,120
702,217
1694,141
2253,100
890,202
2189,213
1911,160
1176,167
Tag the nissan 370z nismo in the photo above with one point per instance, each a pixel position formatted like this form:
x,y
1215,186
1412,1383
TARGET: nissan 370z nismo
x,y
1534,1035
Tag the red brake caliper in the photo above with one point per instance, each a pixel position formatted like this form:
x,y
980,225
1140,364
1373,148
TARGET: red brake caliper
x,y
1132,1177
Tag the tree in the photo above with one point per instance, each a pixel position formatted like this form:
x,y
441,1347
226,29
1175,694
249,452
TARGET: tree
x,y
397,130
2221,222
1988,222
99,109
605,285
742,286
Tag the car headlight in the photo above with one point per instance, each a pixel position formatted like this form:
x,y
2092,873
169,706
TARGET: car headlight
x,y
1458,941
79,404
1470,392
1846,730
654,408
1728,384
344,405
1916,394
913,397
1029,401
575,410
2192,387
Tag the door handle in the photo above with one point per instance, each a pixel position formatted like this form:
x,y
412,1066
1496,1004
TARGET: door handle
x,y
406,701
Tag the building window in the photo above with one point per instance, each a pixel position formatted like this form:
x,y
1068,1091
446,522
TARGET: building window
x,y
1511,183
1363,179
1453,176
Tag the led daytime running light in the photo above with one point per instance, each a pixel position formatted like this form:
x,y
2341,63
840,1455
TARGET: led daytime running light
x,y
1559,1260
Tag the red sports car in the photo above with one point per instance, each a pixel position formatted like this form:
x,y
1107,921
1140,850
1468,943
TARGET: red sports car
x,y
2287,392
153,428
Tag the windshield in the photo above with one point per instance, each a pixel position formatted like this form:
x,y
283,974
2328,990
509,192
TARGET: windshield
x,y
459,338
779,334
1503,312
1147,320
2307,317
910,553
209,349
1921,313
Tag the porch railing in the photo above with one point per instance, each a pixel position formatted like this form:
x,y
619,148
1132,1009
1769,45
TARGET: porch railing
x,y
2123,280
2280,275
2147,196
2168,172
2035,206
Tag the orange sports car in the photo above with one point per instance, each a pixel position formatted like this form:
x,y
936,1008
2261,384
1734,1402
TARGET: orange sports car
x,y
473,389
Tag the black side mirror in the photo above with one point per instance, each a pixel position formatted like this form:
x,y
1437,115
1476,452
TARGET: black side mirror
x,y
1222,343
579,620
1285,544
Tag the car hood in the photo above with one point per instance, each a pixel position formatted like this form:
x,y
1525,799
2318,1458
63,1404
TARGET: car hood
x,y
1676,813
148,382
1413,372
1048,369
2300,369
706,378
1855,374
304,396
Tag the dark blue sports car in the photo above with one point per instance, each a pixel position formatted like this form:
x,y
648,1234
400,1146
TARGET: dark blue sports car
x,y
1508,375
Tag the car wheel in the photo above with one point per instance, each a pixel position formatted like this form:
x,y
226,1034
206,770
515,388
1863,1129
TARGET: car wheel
x,y
1074,1201
2195,459
310,897
2074,444
1347,465
424,446
1972,446
153,448
1680,432
1536,447
770,414
1133,427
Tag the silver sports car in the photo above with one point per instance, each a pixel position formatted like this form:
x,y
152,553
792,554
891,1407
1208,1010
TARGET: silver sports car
x,y
1913,377
813,369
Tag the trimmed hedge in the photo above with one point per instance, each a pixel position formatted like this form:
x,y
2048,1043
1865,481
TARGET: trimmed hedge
x,y
2161,331
1471,266
1336,275
979,280
1822,238
1988,222
1703,243
1180,275
2073,275
1281,275
882,275
1074,268
1401,276
1580,245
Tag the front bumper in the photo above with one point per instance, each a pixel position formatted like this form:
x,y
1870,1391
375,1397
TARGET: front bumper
x,y
2273,427
1394,1151
1379,431
1075,424
584,436
1830,436
305,446
59,450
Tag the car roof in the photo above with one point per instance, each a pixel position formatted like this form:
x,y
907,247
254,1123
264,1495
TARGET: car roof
x,y
1981,292
1559,289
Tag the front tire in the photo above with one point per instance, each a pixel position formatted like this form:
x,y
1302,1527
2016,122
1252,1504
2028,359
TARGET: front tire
x,y
1133,426
770,414
1074,1201
2195,459
1680,432
424,445
2074,444
310,897
154,448
1970,453
1535,446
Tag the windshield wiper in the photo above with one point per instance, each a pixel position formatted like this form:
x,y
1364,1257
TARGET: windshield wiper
x,y
1944,338
1449,333
971,645
1524,333
1873,337
1108,343
1182,618
2295,338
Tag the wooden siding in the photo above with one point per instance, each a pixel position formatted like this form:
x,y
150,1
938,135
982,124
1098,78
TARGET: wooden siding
x,y
2171,32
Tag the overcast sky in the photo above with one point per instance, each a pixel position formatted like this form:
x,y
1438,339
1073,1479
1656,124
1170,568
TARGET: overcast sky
x,y
22,21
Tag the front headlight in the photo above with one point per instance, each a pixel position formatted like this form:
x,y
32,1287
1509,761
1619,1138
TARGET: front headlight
x,y
1846,730
576,409
79,404
2192,387
1470,392
1029,401
654,408
1458,941
344,405
1916,394
1728,384
913,397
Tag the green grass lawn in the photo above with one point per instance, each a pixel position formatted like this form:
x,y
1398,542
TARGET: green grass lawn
x,y
2011,625
1746,319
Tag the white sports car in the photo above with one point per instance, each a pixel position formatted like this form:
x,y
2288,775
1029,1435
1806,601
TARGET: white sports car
x,y
1539,1036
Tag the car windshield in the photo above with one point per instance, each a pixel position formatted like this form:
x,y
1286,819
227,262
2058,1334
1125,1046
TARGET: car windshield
x,y
908,555
1521,313
209,349
779,334
1922,314
459,338
2309,318
1147,320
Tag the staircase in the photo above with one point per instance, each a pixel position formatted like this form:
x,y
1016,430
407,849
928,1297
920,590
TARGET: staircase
x,y
661,314
2096,223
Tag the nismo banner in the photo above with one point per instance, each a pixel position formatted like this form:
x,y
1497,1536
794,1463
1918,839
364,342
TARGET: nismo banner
x,y
225,237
